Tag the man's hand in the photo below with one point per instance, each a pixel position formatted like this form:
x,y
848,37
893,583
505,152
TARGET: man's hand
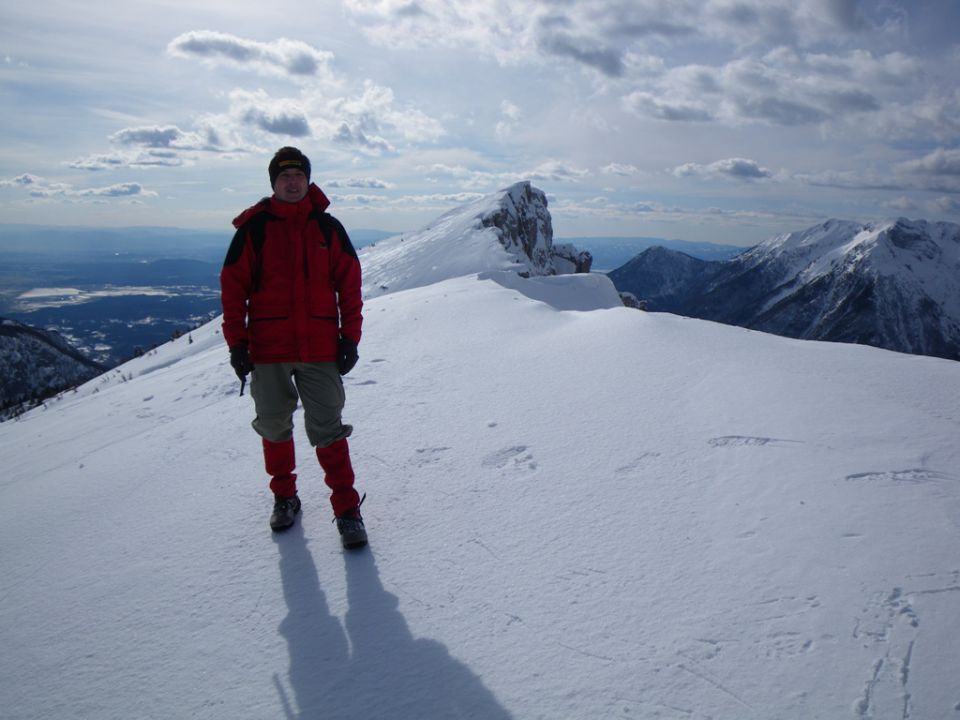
x,y
240,361
347,355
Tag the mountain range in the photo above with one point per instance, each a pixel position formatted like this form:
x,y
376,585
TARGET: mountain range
x,y
893,284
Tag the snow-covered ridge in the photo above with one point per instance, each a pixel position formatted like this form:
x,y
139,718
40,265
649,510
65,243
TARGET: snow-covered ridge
x,y
507,230
884,248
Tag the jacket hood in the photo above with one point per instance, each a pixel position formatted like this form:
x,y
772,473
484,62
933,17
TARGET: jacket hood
x,y
315,195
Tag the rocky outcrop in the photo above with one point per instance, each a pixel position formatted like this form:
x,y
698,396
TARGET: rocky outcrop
x,y
524,227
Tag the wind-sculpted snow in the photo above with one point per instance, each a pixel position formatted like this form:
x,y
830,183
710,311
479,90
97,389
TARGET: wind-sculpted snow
x,y
574,513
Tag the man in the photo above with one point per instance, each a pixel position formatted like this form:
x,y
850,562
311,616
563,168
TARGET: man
x,y
290,288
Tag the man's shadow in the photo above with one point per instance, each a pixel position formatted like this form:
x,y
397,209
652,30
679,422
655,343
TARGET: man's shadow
x,y
373,668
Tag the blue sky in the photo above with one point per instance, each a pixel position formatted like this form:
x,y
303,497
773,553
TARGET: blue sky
x,y
718,120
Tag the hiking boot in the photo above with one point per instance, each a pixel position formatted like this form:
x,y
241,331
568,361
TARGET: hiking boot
x,y
285,510
352,532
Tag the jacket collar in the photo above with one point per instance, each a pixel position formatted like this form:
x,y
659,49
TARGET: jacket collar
x,y
314,200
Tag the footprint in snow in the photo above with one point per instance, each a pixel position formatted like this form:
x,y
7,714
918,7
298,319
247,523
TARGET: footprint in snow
x,y
915,476
515,459
430,455
744,440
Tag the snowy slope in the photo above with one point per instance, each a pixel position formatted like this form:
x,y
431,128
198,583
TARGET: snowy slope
x,y
576,511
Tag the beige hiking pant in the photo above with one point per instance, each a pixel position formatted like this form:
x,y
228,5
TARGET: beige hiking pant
x,y
276,388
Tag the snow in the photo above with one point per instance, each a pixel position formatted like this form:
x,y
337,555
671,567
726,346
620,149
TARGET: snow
x,y
452,246
925,268
576,511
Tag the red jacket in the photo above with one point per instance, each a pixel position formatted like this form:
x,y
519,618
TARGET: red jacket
x,y
290,284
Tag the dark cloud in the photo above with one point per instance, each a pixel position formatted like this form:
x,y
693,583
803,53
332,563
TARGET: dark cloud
x,y
741,168
735,168
356,136
292,57
288,122
846,101
212,45
119,190
411,10
845,13
155,136
780,111
608,61
643,103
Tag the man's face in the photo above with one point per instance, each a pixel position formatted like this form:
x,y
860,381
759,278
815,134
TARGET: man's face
x,y
291,185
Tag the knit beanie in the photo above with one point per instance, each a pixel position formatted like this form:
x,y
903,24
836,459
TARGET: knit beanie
x,y
288,157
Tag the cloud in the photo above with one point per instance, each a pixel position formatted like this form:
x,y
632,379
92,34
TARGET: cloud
x,y
947,205
278,121
444,198
620,169
852,180
779,111
901,204
149,136
938,162
356,136
24,180
600,35
364,120
113,161
118,190
98,162
589,51
356,199
789,88
291,58
40,188
556,171
735,168
368,183
164,137
647,104
511,114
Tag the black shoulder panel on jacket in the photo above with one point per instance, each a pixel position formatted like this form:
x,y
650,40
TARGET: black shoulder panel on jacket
x,y
236,246
327,223
255,227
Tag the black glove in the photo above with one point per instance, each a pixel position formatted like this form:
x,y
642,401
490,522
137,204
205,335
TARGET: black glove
x,y
240,361
347,355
